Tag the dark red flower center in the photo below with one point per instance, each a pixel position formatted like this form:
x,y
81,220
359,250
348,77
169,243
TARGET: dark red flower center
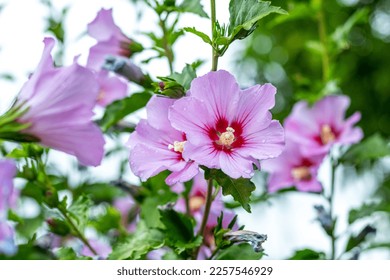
x,y
226,136
301,172
327,134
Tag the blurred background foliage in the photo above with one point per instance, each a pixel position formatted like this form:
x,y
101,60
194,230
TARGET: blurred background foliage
x,y
287,51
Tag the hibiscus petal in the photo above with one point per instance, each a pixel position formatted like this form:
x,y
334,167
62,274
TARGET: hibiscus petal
x,y
103,26
264,144
187,173
235,166
157,110
220,93
182,117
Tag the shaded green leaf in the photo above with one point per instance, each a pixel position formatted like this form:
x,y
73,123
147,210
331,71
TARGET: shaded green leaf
x,y
308,254
79,211
109,220
185,77
138,244
193,6
245,15
355,241
367,210
119,109
241,188
372,148
67,253
239,252
200,34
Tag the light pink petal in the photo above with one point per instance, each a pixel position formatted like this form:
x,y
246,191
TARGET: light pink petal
x,y
157,110
111,89
7,244
331,109
252,109
351,135
146,134
279,180
183,175
147,161
220,93
309,186
103,26
235,166
46,64
202,154
301,125
99,52
264,144
8,194
191,116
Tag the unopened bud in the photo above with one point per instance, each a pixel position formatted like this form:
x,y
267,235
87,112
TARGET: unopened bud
x,y
245,236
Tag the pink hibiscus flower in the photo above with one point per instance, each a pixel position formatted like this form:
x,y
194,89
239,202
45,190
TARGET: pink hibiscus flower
x,y
156,146
228,128
111,40
319,127
8,194
111,88
59,103
292,168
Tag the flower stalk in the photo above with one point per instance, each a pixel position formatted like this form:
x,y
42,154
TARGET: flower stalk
x,y
215,54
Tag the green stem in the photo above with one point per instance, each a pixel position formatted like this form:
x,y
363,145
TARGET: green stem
x,y
324,41
209,200
330,200
166,46
77,231
215,54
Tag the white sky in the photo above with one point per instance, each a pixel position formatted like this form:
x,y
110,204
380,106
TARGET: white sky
x,y
288,222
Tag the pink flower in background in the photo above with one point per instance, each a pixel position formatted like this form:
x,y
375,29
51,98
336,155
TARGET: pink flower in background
x,y
111,40
228,128
292,168
156,146
317,128
129,212
8,194
111,88
7,244
102,249
60,103
197,201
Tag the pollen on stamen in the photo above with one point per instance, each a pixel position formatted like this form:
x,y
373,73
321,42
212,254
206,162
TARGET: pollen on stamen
x,y
177,146
327,134
301,173
227,138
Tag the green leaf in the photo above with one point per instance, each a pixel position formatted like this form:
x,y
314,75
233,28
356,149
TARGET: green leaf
x,y
245,15
185,77
193,6
308,254
79,211
240,188
99,192
109,220
67,253
355,241
372,148
239,252
119,109
340,35
367,210
179,229
200,34
138,244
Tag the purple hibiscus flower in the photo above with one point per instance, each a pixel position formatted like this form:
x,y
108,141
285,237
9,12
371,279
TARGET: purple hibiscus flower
x,y
226,127
110,40
292,168
156,146
111,88
319,127
8,194
58,104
